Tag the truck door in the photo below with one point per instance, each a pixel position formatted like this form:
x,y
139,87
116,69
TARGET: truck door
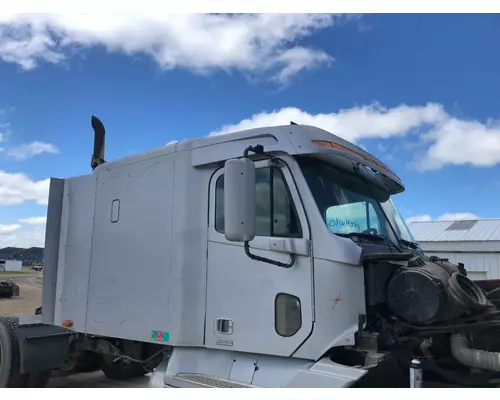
x,y
254,306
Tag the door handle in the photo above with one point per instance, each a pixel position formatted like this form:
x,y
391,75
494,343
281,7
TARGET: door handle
x,y
224,325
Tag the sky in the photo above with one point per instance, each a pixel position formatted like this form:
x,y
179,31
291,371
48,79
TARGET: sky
x,y
418,91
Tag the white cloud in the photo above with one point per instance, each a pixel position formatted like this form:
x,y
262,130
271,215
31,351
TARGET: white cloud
x,y
457,216
369,121
31,150
8,228
16,188
250,43
299,58
24,237
27,232
444,139
459,142
418,218
444,217
33,220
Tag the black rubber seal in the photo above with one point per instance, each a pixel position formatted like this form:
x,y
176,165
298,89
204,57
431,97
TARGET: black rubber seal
x,y
466,293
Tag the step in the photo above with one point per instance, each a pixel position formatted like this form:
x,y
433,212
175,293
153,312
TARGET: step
x,y
206,381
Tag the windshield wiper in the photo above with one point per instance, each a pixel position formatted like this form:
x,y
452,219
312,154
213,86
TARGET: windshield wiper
x,y
369,236
411,245
372,237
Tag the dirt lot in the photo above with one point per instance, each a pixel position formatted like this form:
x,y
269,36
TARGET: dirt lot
x,y
30,290
30,297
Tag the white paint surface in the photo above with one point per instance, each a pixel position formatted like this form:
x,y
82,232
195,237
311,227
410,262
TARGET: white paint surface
x,y
13,266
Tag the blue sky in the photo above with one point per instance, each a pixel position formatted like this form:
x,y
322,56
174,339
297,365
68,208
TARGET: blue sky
x,y
418,91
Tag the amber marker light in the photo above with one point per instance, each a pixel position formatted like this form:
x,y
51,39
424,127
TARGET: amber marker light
x,y
324,143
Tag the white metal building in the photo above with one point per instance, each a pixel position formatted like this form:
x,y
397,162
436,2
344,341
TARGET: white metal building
x,y
475,243
10,266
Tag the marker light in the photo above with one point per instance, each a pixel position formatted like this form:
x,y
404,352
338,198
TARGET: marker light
x,y
333,145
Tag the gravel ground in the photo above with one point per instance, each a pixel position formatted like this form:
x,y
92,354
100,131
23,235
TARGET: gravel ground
x,y
30,297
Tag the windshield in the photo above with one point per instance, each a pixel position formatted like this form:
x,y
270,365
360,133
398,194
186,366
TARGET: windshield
x,y
348,202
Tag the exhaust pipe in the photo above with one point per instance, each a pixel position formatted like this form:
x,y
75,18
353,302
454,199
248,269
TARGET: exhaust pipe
x,y
99,143
460,348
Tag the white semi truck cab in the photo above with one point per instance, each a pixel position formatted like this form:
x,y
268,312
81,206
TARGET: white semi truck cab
x,y
272,257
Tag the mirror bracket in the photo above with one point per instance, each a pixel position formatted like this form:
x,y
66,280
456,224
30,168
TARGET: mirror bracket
x,y
289,264
259,149
238,236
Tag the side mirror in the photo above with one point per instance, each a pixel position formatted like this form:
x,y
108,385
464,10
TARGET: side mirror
x,y
239,200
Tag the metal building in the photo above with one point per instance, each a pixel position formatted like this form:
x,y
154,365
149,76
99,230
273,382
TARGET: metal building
x,y
10,266
475,243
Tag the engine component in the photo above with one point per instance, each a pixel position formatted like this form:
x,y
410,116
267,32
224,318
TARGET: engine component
x,y
466,293
419,294
460,348
494,297
373,359
425,347
368,341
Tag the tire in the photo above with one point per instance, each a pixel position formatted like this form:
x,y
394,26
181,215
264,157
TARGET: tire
x,y
121,371
10,375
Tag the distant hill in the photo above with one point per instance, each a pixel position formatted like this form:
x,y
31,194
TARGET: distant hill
x,y
22,254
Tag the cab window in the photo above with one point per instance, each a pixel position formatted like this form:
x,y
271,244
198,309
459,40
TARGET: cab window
x,y
352,217
275,212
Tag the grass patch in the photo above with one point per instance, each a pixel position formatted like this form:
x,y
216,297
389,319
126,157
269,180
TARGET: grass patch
x,y
18,273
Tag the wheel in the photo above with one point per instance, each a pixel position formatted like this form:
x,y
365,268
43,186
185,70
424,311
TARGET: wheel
x,y
121,371
10,375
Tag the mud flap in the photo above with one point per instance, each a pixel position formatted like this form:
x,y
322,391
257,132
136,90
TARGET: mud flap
x,y
42,347
11,375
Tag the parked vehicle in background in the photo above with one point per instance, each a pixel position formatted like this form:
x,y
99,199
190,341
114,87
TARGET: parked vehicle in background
x,y
37,267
